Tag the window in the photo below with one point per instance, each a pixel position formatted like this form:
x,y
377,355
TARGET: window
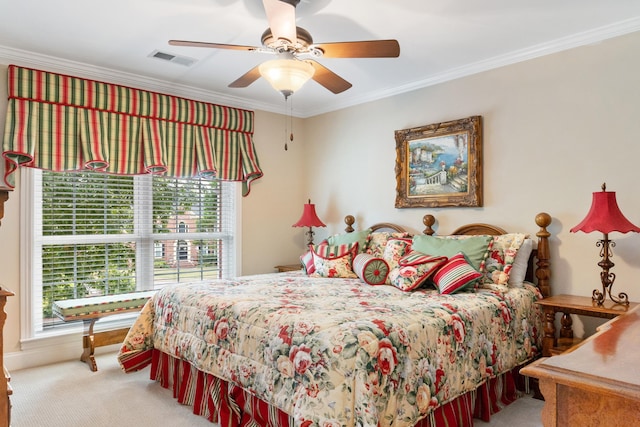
x,y
99,234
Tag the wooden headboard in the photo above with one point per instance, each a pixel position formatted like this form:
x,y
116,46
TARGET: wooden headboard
x,y
539,265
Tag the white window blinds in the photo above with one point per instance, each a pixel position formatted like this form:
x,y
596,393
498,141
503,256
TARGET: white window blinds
x,y
100,234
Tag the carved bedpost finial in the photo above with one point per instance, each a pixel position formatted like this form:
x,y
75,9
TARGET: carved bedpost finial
x,y
428,220
543,273
349,220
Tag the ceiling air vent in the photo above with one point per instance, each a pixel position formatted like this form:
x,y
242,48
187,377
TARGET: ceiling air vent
x,y
176,59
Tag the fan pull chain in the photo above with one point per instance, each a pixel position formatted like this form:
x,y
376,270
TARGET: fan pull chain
x,y
286,101
288,127
291,120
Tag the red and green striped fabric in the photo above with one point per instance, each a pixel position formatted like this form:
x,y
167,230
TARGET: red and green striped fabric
x,y
64,123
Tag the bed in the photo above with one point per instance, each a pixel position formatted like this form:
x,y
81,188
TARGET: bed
x,y
321,347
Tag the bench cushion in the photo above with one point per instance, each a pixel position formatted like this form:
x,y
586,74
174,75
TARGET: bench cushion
x,y
96,307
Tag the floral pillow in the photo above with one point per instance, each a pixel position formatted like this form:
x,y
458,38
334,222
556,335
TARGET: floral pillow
x,y
502,256
371,270
394,250
325,250
378,240
456,274
414,269
333,267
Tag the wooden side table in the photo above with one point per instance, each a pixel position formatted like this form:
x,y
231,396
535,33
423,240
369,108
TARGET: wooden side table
x,y
571,304
288,267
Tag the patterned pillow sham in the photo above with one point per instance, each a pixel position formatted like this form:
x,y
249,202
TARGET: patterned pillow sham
x,y
395,249
502,256
456,274
333,267
414,269
378,240
334,261
371,270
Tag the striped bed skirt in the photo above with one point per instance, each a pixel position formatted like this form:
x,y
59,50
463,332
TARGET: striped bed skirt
x,y
231,406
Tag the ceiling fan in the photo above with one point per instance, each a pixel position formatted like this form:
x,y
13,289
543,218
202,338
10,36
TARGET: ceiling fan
x,y
296,52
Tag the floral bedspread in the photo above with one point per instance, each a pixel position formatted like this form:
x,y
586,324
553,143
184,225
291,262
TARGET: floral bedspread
x,y
339,352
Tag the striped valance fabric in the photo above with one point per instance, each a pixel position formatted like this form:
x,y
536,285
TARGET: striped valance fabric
x,y
63,123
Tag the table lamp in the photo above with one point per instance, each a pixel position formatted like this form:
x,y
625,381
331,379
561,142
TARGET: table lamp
x,y
605,216
309,219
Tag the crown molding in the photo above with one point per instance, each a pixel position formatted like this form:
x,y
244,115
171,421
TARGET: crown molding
x,y
576,40
53,64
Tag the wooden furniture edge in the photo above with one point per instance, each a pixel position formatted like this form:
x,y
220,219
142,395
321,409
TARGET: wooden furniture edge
x,y
574,387
5,388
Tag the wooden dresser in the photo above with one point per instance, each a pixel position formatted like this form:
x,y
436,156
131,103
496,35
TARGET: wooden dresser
x,y
5,387
596,383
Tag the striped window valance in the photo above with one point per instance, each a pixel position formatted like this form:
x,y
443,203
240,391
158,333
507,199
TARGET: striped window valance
x,y
63,123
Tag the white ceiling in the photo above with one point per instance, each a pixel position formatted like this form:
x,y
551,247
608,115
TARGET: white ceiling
x,y
439,40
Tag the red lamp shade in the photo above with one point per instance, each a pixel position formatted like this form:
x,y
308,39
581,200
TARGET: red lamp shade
x,y
309,217
605,215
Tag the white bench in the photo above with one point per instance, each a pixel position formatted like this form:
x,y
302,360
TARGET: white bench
x,y
90,309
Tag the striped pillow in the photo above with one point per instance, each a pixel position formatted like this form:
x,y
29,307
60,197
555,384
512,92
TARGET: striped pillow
x,y
307,262
456,274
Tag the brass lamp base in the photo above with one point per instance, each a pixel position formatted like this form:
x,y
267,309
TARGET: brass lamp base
x,y
606,277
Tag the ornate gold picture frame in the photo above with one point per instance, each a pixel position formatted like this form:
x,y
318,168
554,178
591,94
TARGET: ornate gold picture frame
x,y
440,165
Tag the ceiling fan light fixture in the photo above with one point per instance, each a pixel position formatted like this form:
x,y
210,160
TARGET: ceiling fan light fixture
x,y
286,75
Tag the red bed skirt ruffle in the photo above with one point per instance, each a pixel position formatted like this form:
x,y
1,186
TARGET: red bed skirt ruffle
x,y
231,406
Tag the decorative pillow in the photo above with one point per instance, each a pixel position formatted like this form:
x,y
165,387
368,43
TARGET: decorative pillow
x,y
307,262
501,257
362,237
333,267
414,269
521,263
476,248
326,250
371,270
395,249
378,240
456,274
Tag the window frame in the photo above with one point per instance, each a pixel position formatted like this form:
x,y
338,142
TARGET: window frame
x,y
29,315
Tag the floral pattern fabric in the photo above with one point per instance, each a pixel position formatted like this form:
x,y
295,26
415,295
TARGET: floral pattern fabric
x,y
501,257
338,352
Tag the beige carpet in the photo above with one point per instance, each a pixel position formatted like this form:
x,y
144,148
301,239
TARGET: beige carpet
x,y
68,394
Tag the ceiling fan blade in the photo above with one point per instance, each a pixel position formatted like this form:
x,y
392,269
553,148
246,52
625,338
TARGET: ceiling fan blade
x,y
361,49
211,45
247,78
282,18
329,79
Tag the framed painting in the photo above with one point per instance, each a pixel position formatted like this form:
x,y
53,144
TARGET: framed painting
x,y
440,165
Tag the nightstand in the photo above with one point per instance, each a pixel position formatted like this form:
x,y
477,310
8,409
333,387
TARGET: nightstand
x,y
289,267
567,305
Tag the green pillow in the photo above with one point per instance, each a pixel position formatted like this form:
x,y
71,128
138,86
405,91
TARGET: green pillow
x,y
476,248
362,237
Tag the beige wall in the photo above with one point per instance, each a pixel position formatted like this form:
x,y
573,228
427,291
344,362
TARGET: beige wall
x,y
555,128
